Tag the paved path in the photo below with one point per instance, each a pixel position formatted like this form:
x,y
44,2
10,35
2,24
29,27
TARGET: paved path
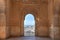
x,y
29,38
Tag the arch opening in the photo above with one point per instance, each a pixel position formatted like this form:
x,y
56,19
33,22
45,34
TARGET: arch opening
x,y
29,25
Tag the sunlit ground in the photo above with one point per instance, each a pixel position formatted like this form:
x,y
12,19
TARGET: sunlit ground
x,y
29,31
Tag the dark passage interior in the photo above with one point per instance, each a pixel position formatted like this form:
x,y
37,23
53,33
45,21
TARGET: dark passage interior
x,y
30,19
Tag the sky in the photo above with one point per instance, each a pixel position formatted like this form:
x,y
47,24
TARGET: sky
x,y
29,20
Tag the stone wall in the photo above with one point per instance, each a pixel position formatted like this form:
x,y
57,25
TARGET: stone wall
x,y
56,20
2,26
54,17
43,24
3,29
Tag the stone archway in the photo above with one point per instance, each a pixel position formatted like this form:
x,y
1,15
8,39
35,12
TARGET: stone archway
x,y
17,13
29,25
33,12
11,21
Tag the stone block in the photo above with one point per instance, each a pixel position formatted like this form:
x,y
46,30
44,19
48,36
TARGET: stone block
x,y
15,31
